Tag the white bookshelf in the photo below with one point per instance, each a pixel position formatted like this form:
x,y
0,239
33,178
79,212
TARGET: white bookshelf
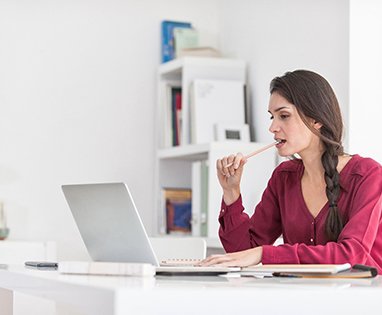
x,y
174,164
182,72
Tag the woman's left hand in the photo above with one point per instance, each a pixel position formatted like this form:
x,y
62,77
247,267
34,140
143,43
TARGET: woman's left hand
x,y
244,258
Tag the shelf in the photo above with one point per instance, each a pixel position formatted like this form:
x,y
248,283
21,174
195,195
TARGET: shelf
x,y
175,66
198,151
188,152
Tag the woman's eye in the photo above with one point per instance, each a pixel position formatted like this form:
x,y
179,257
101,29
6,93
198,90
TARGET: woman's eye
x,y
271,117
284,116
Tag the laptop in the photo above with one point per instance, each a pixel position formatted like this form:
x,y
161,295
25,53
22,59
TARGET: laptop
x,y
112,230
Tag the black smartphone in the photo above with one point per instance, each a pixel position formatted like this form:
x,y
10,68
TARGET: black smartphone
x,y
42,264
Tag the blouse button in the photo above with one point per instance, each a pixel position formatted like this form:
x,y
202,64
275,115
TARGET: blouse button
x,y
222,210
311,240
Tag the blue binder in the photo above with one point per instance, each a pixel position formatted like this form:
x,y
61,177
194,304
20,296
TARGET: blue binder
x,y
168,50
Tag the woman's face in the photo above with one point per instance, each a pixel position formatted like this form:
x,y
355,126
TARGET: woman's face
x,y
288,127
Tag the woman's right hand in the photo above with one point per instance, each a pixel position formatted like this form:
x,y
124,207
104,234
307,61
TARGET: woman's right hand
x,y
230,177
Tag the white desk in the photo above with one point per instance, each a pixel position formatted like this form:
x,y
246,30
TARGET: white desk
x,y
193,295
18,251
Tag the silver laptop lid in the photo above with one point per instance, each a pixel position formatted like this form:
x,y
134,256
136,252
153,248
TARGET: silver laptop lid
x,y
109,223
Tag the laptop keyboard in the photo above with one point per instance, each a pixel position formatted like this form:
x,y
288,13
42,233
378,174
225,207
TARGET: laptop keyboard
x,y
180,262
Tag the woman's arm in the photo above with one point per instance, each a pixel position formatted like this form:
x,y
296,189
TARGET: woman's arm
x,y
360,241
239,232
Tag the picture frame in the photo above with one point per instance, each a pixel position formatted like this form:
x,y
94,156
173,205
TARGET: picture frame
x,y
232,132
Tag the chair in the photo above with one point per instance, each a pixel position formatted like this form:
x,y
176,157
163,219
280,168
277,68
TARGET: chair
x,y
179,247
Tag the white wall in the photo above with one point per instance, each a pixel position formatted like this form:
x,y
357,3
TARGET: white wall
x,y
276,36
365,78
77,97
77,90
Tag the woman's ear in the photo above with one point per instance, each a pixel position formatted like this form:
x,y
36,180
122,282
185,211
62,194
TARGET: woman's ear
x,y
317,125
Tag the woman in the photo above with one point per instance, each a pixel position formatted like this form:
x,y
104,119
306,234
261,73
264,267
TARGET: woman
x,y
326,204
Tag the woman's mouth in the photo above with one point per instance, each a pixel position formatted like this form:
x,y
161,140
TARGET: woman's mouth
x,y
280,143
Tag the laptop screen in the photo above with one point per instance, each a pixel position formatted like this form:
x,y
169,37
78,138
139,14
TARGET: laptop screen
x,y
109,223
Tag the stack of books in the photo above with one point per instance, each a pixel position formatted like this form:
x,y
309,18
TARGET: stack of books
x,y
180,39
186,37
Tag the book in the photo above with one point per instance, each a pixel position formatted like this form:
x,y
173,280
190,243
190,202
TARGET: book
x,y
106,268
184,38
311,271
204,199
213,102
171,113
199,197
168,49
356,272
176,114
298,268
196,197
178,210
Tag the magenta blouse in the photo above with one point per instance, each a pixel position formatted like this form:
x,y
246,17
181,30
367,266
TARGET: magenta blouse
x,y
282,212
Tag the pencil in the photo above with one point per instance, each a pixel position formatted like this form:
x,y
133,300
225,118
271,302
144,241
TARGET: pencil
x,y
256,152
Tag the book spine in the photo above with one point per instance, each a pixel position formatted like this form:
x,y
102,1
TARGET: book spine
x,y
178,116
169,129
176,94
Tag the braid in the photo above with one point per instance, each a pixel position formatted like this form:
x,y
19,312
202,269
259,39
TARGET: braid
x,y
315,100
334,224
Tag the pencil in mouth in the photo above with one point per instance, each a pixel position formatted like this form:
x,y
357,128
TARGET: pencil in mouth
x,y
258,151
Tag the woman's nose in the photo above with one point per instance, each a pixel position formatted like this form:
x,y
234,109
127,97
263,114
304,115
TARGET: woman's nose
x,y
273,128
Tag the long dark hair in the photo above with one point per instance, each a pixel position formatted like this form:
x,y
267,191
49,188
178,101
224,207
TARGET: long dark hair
x,y
314,98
